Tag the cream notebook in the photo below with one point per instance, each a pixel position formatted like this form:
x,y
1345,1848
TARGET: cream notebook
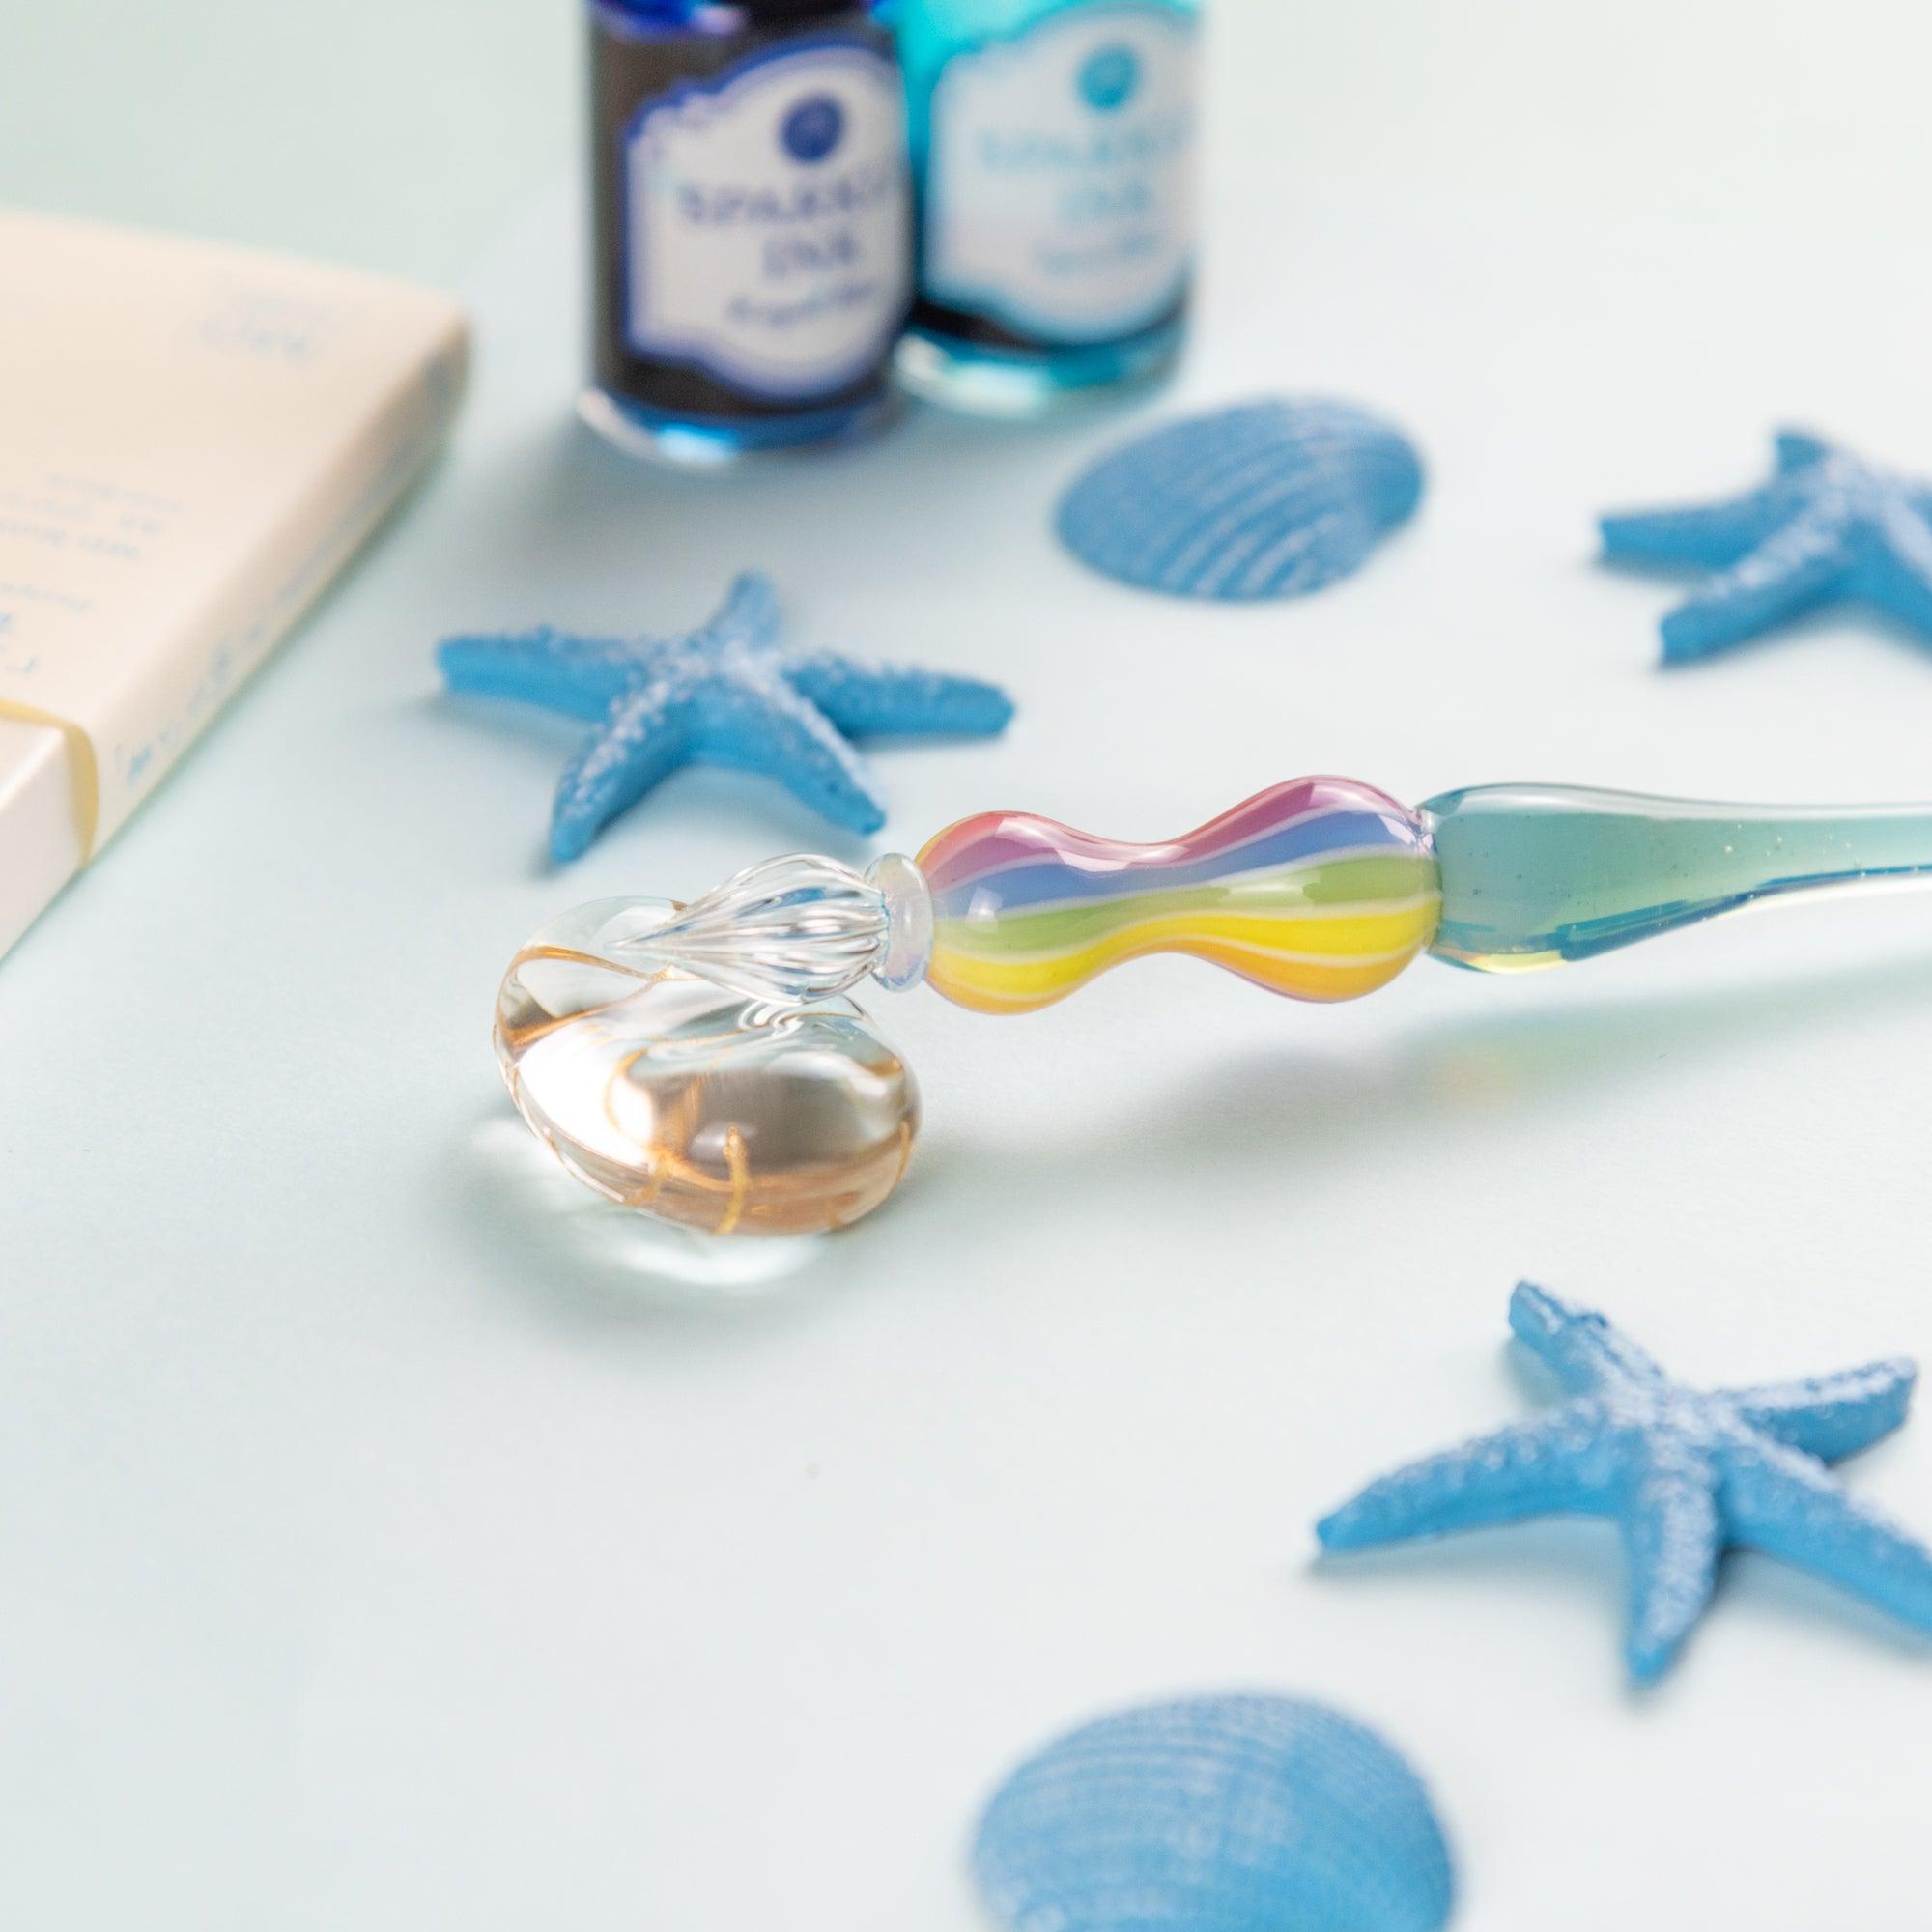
x,y
193,440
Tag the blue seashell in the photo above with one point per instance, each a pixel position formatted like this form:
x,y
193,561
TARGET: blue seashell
x,y
1270,499
1215,1814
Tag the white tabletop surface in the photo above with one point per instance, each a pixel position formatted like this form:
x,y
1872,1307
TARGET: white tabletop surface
x,y
387,1540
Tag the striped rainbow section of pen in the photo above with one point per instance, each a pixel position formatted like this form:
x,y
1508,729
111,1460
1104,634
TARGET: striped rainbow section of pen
x,y
1320,889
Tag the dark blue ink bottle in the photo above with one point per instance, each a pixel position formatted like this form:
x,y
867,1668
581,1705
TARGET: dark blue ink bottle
x,y
751,207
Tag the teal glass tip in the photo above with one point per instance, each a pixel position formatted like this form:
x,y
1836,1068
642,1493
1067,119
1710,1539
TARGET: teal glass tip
x,y
1540,875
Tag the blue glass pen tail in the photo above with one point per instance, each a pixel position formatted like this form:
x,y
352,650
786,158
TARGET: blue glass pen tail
x,y
1540,875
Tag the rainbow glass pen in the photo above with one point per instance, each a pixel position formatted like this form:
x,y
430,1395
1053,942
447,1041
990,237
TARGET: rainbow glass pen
x,y
701,1063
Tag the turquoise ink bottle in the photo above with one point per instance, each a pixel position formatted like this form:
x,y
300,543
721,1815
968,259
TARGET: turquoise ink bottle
x,y
1053,145
751,207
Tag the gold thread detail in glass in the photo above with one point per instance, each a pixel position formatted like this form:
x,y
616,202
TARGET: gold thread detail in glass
x,y
673,1095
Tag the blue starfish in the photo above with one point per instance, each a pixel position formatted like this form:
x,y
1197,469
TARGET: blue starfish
x,y
727,694
1828,527
1685,1473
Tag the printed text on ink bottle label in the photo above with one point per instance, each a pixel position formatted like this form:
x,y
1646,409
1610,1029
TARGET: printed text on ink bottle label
x,y
1060,196
768,222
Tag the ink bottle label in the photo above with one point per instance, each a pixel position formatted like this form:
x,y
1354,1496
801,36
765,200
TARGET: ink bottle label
x,y
767,224
1060,176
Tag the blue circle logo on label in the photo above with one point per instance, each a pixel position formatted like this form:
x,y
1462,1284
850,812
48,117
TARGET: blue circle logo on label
x,y
813,129
1110,78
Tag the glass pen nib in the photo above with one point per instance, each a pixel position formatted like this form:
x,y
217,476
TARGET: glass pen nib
x,y
796,929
